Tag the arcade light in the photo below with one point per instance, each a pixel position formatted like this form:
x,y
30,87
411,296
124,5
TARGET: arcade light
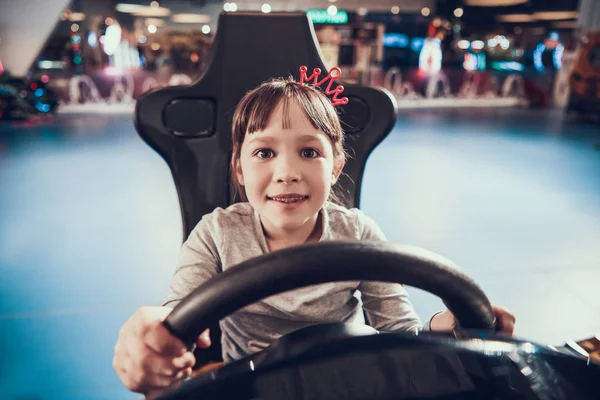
x,y
537,57
332,10
143,11
463,44
416,44
425,12
458,12
266,8
75,45
474,62
558,56
189,18
92,39
477,45
494,3
76,17
112,38
205,29
430,58
230,7
499,40
552,44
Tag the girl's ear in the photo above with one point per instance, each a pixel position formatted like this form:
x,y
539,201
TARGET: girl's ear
x,y
238,172
337,170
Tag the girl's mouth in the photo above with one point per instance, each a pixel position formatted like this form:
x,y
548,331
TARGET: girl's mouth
x,y
287,198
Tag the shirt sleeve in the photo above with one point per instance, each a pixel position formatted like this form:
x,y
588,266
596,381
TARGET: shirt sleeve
x,y
198,262
387,306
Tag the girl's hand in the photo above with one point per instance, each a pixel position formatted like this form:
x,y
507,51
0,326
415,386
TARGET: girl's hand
x,y
445,321
148,359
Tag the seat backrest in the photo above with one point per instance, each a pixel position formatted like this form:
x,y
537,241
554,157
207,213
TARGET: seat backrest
x,y
190,126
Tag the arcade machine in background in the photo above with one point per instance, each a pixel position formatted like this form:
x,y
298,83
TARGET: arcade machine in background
x,y
355,46
24,98
584,80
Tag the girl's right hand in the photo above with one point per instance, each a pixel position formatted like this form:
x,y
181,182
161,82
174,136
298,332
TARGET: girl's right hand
x,y
148,359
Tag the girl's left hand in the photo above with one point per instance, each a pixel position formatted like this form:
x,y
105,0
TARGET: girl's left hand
x,y
505,320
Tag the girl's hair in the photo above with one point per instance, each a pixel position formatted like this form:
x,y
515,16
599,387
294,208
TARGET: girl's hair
x,y
253,112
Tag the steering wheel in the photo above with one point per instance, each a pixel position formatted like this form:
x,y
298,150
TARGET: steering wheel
x,y
323,262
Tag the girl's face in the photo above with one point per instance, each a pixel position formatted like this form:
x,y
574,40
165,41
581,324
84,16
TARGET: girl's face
x,y
287,172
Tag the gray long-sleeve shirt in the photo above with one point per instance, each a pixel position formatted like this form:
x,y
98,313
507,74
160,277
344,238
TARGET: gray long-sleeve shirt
x,y
227,237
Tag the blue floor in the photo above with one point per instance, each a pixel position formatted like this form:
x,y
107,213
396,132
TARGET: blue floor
x,y
90,230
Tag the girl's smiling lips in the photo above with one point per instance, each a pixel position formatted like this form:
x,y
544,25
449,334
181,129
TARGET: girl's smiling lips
x,y
288,197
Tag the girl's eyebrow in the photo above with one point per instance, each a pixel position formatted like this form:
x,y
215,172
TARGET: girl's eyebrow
x,y
265,140
262,139
309,138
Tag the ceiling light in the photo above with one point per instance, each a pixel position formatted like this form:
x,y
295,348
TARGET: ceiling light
x,y
190,18
128,8
494,3
152,12
555,15
76,17
565,24
463,44
477,45
515,18
143,11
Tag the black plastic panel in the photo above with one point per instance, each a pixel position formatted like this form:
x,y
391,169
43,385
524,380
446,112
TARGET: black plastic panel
x,y
191,117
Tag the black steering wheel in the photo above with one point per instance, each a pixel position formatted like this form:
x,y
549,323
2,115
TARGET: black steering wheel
x,y
323,262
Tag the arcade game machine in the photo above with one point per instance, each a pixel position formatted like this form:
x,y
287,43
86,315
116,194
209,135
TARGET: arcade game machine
x,y
585,79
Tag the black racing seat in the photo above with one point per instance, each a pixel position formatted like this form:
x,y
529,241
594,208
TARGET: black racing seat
x,y
190,126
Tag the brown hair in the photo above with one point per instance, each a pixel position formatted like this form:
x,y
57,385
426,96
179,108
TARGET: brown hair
x,y
253,112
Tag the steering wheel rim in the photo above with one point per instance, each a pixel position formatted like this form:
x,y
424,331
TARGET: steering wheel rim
x,y
323,262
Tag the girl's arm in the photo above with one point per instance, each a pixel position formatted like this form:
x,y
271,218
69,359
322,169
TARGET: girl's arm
x,y
386,305
388,308
198,261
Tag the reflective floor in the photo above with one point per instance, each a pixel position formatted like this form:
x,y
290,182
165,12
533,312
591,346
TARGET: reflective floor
x,y
90,230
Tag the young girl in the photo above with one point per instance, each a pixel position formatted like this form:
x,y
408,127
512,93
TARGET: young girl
x,y
287,155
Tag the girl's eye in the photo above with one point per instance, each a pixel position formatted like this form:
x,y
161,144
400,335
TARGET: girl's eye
x,y
310,153
264,153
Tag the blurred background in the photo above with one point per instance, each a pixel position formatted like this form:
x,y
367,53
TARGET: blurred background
x,y
494,161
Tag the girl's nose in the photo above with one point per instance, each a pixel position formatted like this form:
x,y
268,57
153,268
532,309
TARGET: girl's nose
x,y
287,172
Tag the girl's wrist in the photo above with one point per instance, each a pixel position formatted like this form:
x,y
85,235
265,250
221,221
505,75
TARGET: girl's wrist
x,y
442,321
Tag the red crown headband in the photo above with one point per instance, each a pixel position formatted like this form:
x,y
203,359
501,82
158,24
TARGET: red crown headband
x,y
331,77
